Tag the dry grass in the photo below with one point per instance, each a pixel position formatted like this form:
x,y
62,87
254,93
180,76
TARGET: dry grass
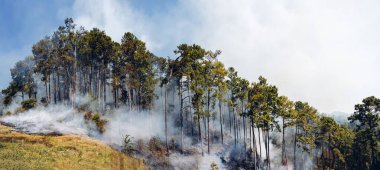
x,y
22,151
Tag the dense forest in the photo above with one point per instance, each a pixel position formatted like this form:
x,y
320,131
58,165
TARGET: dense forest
x,y
198,91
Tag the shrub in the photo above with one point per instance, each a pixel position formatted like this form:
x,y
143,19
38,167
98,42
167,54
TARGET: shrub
x,y
8,113
28,104
100,123
88,116
154,144
127,145
157,155
214,166
20,109
44,100
140,146
96,117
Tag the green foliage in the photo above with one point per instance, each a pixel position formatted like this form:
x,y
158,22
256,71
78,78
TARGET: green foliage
x,y
190,63
305,122
95,117
139,68
285,109
99,122
29,104
366,120
127,147
219,73
263,103
42,51
22,80
154,145
232,84
88,116
9,93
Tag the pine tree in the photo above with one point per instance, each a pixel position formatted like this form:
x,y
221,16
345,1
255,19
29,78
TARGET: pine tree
x,y
287,113
305,123
366,119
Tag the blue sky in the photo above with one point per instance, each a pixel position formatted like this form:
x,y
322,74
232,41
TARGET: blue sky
x,y
24,22
320,51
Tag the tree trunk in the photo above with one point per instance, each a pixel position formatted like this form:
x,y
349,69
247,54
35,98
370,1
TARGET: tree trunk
x,y
49,98
188,94
333,159
166,118
268,148
208,135
99,81
283,153
244,134
244,128
46,89
205,126
104,89
265,143
230,119
221,120
234,122
75,83
295,149
181,113
373,150
323,161
200,132
258,130
208,121
90,81
237,117
250,134
59,88
254,149
55,89
115,96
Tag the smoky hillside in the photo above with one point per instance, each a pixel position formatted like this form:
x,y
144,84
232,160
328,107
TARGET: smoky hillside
x,y
185,111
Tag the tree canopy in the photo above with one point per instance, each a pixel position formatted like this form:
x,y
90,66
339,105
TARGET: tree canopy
x,y
73,62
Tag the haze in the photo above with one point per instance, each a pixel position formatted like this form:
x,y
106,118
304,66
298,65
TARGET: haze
x,y
323,52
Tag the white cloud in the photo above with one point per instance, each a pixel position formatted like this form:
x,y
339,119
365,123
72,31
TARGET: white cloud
x,y
323,52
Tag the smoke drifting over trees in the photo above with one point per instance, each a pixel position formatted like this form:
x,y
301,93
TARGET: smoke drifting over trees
x,y
181,112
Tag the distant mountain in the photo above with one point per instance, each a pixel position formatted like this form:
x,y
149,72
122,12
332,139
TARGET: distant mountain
x,y
340,117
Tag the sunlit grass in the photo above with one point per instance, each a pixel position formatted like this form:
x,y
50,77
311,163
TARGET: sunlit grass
x,y
22,151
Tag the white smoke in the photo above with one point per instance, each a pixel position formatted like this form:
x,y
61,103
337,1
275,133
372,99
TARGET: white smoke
x,y
53,119
61,119
66,120
140,125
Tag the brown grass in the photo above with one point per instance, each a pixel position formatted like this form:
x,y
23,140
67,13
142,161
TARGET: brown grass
x,y
23,151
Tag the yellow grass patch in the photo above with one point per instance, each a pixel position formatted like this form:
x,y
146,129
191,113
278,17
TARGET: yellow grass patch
x,y
23,151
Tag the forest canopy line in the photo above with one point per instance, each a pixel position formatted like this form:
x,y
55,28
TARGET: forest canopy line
x,y
74,62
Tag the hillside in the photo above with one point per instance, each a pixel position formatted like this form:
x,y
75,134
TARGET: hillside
x,y
23,151
183,111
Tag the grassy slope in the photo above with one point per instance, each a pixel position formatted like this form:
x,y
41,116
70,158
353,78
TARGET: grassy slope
x,y
22,151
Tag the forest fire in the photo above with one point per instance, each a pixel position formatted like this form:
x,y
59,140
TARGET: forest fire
x,y
189,112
